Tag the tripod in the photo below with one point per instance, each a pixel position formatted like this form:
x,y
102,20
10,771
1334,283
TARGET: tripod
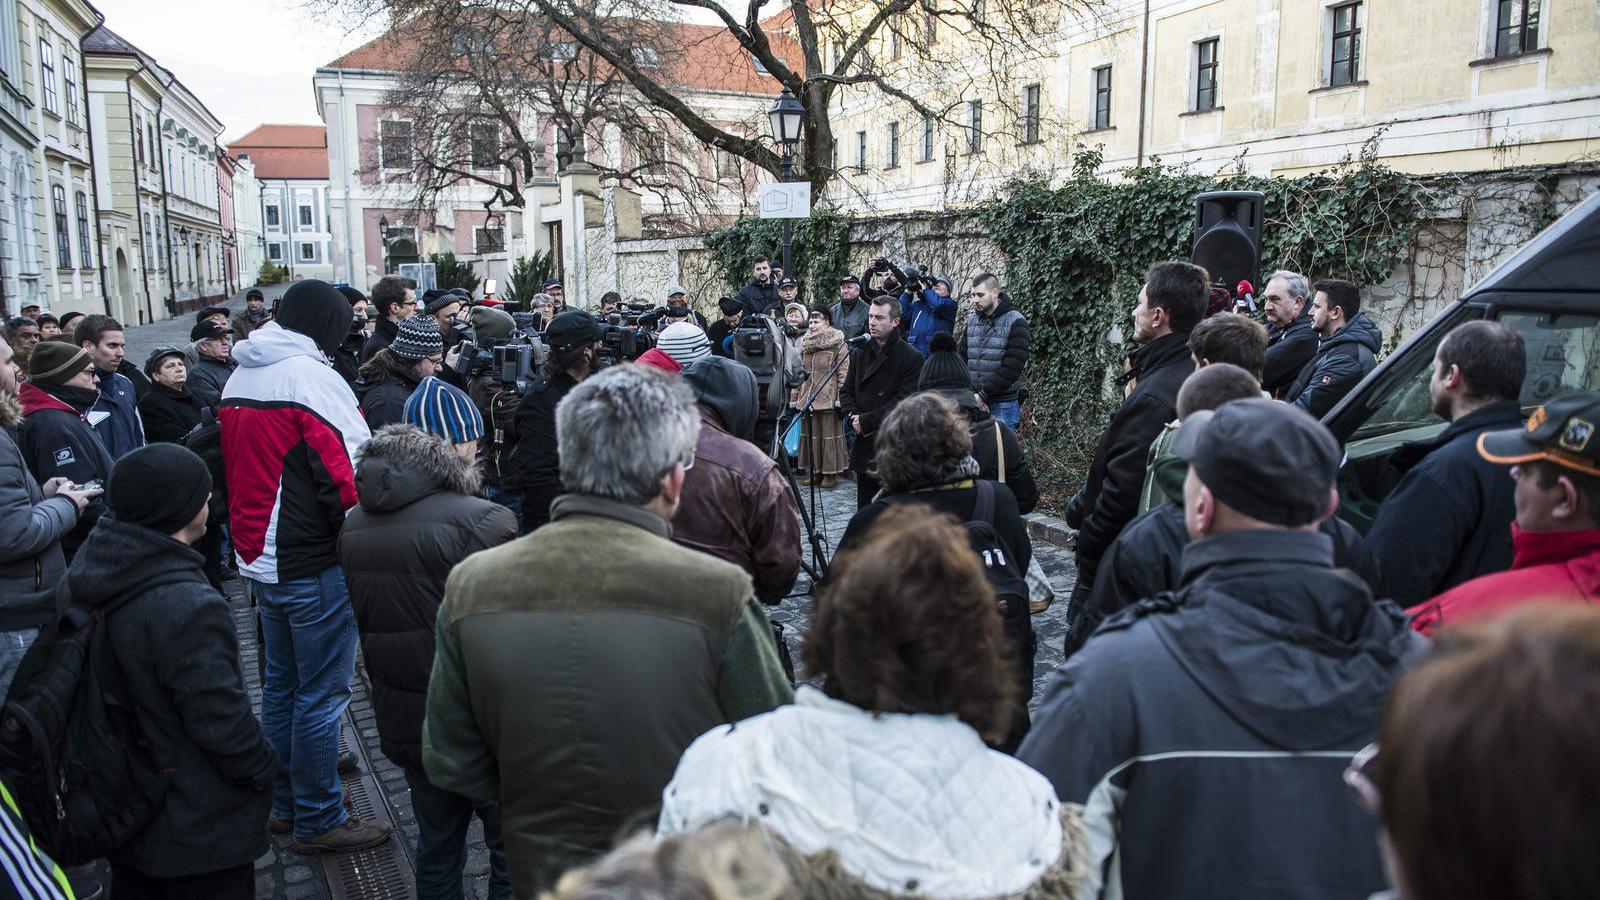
x,y
819,546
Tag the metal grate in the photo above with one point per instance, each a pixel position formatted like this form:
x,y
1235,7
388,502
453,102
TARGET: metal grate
x,y
382,873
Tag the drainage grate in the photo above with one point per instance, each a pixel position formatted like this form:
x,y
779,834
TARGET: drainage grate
x,y
382,873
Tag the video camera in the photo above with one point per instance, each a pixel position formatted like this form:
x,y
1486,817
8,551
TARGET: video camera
x,y
758,344
511,361
622,339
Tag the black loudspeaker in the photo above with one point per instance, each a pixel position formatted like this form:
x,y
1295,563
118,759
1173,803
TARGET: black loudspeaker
x,y
1227,236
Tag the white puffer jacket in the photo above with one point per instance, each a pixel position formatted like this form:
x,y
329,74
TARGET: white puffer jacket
x,y
910,804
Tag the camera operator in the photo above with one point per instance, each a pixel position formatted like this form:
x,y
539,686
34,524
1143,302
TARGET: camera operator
x,y
497,402
722,329
927,309
610,302
347,361
574,339
445,307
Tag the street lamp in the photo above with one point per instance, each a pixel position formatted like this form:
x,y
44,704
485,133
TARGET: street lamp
x,y
785,117
383,242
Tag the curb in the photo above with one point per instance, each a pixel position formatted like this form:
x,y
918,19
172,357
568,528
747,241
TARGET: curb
x,y
1051,530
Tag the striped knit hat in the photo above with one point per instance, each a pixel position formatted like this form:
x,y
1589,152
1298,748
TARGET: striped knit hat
x,y
444,411
684,342
418,339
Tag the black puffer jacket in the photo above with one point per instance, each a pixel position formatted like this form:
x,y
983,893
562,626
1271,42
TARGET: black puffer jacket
x,y
384,403
537,452
175,642
1338,366
1206,733
1288,350
1109,498
169,415
419,515
1147,559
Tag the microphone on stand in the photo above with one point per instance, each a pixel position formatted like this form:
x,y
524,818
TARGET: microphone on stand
x,y
859,339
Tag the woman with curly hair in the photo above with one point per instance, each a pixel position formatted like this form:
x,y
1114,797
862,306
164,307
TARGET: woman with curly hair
x,y
879,783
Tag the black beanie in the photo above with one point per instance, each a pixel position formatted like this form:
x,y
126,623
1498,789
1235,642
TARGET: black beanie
x,y
159,486
351,294
317,310
944,368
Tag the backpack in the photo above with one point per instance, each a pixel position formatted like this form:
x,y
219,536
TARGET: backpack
x,y
205,440
71,748
1005,574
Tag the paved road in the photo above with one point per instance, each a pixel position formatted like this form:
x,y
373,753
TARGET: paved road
x,y
174,332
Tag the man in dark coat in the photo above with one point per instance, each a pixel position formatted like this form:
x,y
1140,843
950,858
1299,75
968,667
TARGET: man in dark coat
x,y
115,416
173,637
1346,352
396,301
883,371
1449,519
419,516
574,338
1170,304
212,364
170,411
1219,719
995,346
389,377
1291,341
761,293
722,329
55,438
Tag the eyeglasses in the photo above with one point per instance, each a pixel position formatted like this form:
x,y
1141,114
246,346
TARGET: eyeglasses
x,y
1362,776
436,360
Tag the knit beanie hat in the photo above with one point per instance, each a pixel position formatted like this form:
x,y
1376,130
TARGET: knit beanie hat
x,y
56,362
418,338
490,324
435,299
443,411
317,310
684,342
159,486
944,367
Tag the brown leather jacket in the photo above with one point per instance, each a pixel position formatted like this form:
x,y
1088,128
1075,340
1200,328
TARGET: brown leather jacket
x,y
736,507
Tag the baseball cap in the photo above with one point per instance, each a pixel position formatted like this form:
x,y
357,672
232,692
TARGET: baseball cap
x,y
1562,432
788,282
550,284
204,331
254,294
850,279
1268,460
573,328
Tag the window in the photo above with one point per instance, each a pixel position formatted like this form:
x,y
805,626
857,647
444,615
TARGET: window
x,y
974,126
485,145
894,145
149,244
308,252
647,57
489,239
564,51
652,148
895,50
138,137
927,138
1344,63
304,213
838,54
1205,75
69,86
396,144
1030,114
272,216
83,231
977,10
47,75
727,165
58,196
275,252
1102,97
861,150
1516,27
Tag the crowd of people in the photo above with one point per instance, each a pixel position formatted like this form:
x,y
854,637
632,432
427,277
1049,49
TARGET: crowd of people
x,y
558,574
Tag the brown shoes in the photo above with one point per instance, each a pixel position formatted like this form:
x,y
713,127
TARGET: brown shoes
x,y
353,835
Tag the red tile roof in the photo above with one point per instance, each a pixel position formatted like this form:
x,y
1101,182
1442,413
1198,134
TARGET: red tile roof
x,y
285,151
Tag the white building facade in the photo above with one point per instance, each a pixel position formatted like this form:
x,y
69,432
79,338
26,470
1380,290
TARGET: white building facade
x,y
291,166
247,220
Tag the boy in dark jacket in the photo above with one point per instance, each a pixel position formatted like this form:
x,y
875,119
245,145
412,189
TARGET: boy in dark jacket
x,y
173,637
420,515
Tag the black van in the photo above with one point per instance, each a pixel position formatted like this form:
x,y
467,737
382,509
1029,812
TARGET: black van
x,y
1549,292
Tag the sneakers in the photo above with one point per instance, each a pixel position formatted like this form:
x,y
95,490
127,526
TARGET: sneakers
x,y
353,835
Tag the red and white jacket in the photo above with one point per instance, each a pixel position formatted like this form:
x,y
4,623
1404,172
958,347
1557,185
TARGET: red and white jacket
x,y
290,431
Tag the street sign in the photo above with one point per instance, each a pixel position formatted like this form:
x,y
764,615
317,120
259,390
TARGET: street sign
x,y
786,200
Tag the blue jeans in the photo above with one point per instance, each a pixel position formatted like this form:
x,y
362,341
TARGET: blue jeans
x,y
1007,411
442,820
308,634
511,500
13,646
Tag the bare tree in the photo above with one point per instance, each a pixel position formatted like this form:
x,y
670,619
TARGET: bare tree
x,y
923,55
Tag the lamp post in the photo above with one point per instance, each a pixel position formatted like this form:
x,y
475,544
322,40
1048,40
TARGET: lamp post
x,y
785,117
383,242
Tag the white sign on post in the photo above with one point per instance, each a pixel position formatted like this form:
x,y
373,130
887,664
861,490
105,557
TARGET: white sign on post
x,y
786,200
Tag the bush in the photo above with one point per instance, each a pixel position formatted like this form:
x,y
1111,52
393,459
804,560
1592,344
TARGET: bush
x,y
528,275
819,250
271,274
450,272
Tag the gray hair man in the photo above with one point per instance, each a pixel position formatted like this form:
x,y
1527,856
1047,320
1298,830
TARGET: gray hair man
x,y
1291,341
670,642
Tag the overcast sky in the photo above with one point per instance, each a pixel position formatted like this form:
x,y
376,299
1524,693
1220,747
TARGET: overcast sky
x,y
249,61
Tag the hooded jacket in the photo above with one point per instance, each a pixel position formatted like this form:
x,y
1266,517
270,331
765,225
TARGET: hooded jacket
x,y
290,428
1109,497
1206,732
418,517
175,642
31,561
925,314
902,803
1550,567
572,702
1288,350
1339,365
55,440
1449,519
735,504
996,350
169,415
115,415
208,376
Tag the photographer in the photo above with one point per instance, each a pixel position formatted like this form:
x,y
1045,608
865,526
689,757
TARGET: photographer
x,y
347,361
927,309
574,339
610,302
883,279
497,403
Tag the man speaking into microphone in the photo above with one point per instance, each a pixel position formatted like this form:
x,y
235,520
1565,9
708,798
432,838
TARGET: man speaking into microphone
x,y
883,371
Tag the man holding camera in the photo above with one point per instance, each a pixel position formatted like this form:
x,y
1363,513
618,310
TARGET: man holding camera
x,y
926,309
883,371
574,339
